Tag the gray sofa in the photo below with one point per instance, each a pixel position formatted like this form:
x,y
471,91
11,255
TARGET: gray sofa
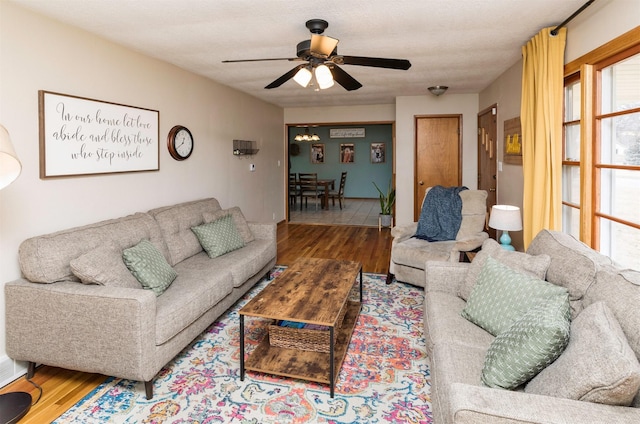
x,y
589,382
116,327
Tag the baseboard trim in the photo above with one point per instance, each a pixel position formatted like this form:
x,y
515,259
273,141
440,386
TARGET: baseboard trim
x,y
11,370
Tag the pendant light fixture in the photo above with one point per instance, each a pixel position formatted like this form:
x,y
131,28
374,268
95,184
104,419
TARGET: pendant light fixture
x,y
306,136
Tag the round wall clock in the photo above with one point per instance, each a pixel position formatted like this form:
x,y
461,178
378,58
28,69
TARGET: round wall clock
x,y
180,142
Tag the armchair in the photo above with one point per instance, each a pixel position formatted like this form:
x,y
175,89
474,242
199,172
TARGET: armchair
x,y
409,254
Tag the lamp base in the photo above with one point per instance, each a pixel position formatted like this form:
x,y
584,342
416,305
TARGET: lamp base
x,y
505,241
14,406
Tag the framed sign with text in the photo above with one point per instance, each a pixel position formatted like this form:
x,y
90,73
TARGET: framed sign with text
x,y
81,136
346,133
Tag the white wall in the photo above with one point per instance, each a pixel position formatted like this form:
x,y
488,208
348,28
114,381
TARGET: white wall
x,y
506,93
406,109
403,113
337,114
37,53
601,22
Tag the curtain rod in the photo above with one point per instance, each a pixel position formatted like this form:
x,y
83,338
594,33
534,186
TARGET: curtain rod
x,y
566,21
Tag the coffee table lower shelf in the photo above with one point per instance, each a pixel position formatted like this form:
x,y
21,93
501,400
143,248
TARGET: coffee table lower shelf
x,y
302,364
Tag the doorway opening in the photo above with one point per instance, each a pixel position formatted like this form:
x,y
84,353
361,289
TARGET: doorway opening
x,y
362,150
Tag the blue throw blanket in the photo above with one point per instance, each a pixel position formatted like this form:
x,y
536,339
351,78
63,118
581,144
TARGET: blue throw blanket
x,y
441,214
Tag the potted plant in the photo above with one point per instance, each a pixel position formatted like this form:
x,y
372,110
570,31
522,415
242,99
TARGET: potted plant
x,y
386,204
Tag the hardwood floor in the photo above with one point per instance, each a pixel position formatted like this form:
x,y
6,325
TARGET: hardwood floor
x,y
63,388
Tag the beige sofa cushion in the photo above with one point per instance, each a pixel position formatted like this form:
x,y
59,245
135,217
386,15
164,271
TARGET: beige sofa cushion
x,y
199,286
621,292
47,258
597,366
104,266
574,264
474,213
444,324
535,266
176,221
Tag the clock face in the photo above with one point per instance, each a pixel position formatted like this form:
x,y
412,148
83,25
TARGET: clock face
x,y
183,143
180,142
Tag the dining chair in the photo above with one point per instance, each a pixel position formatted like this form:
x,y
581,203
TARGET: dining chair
x,y
333,194
309,188
294,189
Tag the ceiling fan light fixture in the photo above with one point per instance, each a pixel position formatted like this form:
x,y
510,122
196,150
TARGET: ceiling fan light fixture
x,y
438,90
324,77
303,76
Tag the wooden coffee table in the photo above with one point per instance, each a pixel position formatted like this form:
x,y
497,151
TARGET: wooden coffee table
x,y
311,291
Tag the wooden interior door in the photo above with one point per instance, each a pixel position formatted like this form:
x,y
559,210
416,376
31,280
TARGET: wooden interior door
x,y
438,154
487,157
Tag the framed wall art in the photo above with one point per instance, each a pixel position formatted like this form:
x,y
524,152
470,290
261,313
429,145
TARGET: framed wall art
x,y
346,133
347,153
378,153
317,153
81,136
513,141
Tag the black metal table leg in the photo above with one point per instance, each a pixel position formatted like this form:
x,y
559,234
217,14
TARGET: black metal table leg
x,y
332,371
361,285
241,347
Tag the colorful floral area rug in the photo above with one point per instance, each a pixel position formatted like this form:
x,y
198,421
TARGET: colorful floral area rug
x,y
384,378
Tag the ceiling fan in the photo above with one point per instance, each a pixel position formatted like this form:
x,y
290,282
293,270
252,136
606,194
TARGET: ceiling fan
x,y
321,55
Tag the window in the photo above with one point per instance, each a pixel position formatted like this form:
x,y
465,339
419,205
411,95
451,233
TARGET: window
x,y
571,158
617,161
601,154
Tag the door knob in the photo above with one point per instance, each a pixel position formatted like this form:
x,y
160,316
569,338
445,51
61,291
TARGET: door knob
x,y
421,182
492,190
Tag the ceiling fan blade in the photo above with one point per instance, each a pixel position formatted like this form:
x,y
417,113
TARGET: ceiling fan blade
x,y
322,46
286,77
261,60
377,62
344,79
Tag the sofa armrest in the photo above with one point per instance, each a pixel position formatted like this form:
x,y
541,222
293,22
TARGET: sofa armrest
x,y
446,277
264,230
478,405
109,330
403,232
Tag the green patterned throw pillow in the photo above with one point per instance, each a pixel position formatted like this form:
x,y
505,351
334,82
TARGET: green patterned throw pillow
x,y
219,237
503,295
150,268
530,344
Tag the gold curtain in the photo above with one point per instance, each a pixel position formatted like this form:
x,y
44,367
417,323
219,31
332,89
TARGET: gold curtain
x,y
541,119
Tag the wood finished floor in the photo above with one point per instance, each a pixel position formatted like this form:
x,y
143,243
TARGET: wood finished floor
x,y
63,388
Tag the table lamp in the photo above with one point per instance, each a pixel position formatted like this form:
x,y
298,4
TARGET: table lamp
x,y
13,405
505,218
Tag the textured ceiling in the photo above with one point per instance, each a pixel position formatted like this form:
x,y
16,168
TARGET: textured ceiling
x,y
464,44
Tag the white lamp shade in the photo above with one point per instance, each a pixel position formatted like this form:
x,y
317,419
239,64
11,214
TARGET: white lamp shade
x,y
10,166
505,218
324,77
302,77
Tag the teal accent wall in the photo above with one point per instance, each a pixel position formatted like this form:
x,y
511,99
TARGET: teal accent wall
x,y
361,172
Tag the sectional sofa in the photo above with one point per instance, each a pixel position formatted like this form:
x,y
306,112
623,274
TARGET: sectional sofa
x,y
79,305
